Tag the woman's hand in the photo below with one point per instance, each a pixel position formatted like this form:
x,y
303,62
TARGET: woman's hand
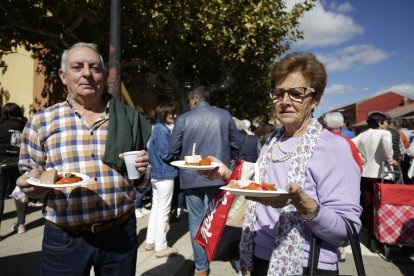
x,y
32,191
221,172
297,196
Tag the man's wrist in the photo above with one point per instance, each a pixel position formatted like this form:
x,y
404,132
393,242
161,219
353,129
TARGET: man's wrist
x,y
144,178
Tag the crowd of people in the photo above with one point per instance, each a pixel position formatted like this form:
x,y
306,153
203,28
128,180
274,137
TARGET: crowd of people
x,y
90,130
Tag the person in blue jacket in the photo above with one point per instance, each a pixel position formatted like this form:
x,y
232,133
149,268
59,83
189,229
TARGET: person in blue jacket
x,y
162,181
214,133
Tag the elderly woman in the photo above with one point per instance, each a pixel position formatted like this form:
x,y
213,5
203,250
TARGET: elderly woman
x,y
301,157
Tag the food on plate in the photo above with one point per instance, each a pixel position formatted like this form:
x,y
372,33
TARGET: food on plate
x,y
205,161
192,159
69,178
262,186
52,177
252,186
49,177
197,161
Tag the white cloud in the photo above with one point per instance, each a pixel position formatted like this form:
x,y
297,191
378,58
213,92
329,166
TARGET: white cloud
x,y
404,89
353,56
324,28
342,7
336,89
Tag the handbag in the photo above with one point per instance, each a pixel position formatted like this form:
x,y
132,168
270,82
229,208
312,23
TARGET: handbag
x,y
221,229
355,246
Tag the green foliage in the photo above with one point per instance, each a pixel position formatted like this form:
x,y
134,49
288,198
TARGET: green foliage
x,y
228,45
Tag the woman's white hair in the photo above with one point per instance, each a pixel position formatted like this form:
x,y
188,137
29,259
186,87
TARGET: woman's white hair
x,y
333,120
239,123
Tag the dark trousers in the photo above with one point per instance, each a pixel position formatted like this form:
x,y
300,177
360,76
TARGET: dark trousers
x,y
113,252
7,183
367,204
21,210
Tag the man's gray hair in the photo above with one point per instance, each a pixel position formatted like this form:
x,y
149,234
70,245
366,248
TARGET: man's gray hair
x,y
91,46
333,120
201,92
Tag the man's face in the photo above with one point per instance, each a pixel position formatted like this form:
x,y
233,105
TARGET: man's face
x,y
383,125
192,102
84,75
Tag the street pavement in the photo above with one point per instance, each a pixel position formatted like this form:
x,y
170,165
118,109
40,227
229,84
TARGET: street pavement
x,y
20,253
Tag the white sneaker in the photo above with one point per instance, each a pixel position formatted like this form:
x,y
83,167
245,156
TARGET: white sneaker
x,y
35,204
138,213
343,254
178,212
145,211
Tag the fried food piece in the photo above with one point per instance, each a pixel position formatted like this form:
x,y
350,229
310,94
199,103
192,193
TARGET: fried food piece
x,y
49,177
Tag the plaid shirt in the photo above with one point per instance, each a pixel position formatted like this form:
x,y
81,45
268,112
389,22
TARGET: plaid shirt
x,y
59,138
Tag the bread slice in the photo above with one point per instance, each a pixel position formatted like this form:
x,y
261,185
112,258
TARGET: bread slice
x,y
190,160
49,177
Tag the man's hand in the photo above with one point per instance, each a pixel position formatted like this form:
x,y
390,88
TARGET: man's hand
x,y
391,162
34,192
142,161
221,172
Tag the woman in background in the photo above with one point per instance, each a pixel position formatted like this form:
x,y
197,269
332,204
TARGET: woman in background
x,y
162,181
12,123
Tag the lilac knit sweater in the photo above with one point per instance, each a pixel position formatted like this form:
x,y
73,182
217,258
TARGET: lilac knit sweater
x,y
332,179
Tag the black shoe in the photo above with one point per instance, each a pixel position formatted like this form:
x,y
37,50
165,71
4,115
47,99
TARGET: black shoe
x,y
374,246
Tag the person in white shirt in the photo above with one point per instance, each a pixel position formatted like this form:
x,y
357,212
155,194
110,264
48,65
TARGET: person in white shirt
x,y
375,147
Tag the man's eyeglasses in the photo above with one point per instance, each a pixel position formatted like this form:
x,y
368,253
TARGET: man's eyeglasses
x,y
296,94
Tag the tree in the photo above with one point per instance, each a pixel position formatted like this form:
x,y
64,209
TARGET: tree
x,y
226,45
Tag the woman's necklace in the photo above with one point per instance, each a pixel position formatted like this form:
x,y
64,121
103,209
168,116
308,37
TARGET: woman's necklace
x,y
286,153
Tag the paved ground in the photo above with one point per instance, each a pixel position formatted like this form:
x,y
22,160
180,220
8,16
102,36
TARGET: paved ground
x,y
20,253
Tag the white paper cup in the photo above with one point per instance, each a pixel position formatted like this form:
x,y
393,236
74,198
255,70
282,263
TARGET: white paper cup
x,y
129,158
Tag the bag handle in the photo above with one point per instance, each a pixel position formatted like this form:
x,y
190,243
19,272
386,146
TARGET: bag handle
x,y
356,247
354,242
314,251
396,171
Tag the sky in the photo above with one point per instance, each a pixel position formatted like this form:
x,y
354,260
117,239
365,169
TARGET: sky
x,y
367,47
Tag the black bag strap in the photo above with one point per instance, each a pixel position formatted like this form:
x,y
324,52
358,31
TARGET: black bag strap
x,y
314,252
355,246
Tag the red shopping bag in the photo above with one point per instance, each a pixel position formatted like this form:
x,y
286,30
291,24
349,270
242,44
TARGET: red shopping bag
x,y
219,239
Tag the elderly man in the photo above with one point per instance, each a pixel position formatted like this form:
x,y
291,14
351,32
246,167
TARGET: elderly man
x,y
94,224
214,133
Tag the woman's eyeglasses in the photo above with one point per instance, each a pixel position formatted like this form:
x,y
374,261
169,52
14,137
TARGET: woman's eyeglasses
x,y
296,94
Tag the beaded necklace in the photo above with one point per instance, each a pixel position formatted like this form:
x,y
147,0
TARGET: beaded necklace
x,y
286,153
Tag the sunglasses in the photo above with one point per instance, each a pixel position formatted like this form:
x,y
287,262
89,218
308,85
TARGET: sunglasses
x,y
296,94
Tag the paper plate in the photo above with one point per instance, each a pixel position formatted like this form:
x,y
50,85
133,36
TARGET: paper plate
x,y
36,182
255,193
181,164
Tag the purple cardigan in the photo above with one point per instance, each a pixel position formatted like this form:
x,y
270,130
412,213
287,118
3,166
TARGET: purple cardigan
x,y
332,179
